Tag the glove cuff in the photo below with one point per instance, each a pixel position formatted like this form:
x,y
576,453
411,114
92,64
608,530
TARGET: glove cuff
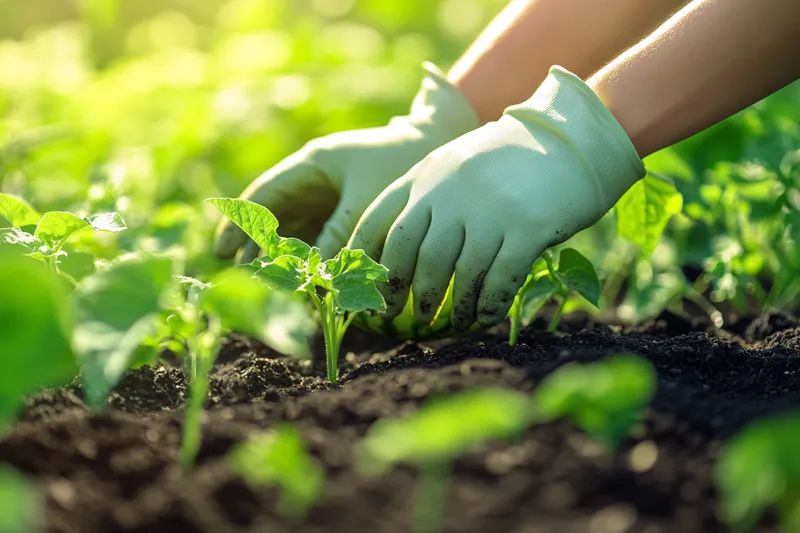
x,y
597,139
439,110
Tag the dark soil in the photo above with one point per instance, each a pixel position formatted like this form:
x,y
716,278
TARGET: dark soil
x,y
116,470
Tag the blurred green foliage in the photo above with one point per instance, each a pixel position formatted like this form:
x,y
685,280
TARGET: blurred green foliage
x,y
148,107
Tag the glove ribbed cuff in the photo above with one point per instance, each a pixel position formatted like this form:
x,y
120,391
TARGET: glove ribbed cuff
x,y
576,114
439,110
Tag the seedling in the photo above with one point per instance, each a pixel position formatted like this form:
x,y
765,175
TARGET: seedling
x,y
604,399
52,231
35,331
339,287
115,310
760,469
574,273
20,505
435,436
233,300
280,458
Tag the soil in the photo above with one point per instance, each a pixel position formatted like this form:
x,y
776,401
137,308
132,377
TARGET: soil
x,y
116,471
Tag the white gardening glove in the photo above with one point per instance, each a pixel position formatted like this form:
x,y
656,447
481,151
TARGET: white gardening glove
x,y
321,191
485,206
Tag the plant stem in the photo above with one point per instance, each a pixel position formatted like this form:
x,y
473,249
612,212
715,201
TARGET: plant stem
x,y
330,332
557,317
430,498
514,316
203,357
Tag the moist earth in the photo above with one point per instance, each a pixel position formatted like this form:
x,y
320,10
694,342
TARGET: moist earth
x,y
116,471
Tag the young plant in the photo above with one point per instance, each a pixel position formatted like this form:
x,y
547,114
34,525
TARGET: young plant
x,y
35,332
574,273
604,399
433,437
339,287
760,469
115,310
280,458
51,232
233,300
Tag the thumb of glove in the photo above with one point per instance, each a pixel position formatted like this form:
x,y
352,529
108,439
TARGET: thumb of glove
x,y
337,230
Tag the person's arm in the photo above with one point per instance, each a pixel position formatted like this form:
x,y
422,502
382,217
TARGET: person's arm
x,y
710,60
513,55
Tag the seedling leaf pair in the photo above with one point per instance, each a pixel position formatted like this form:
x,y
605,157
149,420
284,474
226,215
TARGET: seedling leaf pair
x,y
347,282
574,273
280,458
604,399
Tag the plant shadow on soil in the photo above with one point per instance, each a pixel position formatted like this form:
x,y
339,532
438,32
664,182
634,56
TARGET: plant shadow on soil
x,y
117,470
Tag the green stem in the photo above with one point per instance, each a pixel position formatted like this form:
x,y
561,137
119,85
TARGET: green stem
x,y
203,356
557,317
329,332
430,498
515,317
702,302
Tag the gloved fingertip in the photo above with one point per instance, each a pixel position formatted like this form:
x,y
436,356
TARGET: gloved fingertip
x,y
250,252
229,238
328,246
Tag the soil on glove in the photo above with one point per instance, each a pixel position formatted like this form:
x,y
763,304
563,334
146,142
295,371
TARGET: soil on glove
x,y
116,471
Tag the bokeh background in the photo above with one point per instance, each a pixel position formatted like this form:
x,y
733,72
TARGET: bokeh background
x,y
149,106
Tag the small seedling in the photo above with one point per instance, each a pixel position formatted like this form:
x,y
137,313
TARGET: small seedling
x,y
115,309
233,300
339,287
436,435
52,231
574,273
35,332
280,458
20,505
760,469
605,399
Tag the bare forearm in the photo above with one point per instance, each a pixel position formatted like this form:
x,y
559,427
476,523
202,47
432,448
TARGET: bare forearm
x,y
710,60
513,55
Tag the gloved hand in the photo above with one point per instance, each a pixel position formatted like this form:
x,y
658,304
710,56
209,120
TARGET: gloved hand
x,y
485,206
326,186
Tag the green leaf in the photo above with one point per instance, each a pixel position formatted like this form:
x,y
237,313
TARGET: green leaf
x,y
34,330
255,220
245,304
643,212
111,222
759,469
280,458
536,294
444,429
291,246
116,309
77,264
578,274
20,505
605,399
285,272
17,211
57,226
351,276
21,241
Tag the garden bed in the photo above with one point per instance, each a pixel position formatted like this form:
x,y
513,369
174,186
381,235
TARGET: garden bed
x,y
117,470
